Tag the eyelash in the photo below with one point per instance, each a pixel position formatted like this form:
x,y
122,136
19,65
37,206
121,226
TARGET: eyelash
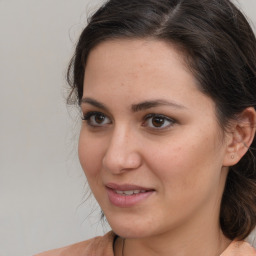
x,y
88,118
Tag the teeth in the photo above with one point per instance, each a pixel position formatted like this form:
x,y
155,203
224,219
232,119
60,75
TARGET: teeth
x,y
130,192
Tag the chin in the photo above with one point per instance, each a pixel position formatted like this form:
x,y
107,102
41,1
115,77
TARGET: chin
x,y
130,232
129,228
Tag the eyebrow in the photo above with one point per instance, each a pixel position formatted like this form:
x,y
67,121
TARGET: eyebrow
x,y
136,107
94,103
155,103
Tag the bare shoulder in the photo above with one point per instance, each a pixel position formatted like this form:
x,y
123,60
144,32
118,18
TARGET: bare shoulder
x,y
239,248
101,245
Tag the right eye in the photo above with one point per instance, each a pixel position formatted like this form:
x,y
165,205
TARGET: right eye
x,y
96,119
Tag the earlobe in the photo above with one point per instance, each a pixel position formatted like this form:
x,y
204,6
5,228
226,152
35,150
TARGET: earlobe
x,y
241,136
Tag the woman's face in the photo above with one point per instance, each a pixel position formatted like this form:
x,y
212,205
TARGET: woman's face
x,y
150,144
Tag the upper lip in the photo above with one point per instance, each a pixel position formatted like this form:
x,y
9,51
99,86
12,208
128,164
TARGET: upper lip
x,y
126,187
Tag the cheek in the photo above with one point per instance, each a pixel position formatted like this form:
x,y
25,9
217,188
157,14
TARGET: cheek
x,y
89,155
187,164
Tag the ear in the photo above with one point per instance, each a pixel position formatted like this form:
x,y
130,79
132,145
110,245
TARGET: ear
x,y
240,136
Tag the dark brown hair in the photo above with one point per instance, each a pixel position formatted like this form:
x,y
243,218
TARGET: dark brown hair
x,y
220,48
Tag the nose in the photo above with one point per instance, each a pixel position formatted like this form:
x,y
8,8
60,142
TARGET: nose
x,y
122,153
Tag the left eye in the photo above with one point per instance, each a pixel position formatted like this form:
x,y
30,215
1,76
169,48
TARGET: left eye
x,y
158,121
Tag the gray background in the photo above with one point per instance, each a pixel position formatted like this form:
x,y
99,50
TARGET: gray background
x,y
42,187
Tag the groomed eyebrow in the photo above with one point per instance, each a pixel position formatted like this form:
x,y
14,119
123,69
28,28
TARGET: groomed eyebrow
x,y
155,103
94,103
135,107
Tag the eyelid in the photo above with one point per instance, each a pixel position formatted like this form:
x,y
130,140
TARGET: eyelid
x,y
159,115
88,114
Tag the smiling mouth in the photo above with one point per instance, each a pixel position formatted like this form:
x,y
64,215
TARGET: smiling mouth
x,y
127,189
127,195
129,192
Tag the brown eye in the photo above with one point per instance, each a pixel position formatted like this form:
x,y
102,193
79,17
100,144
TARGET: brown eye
x,y
96,119
99,118
156,121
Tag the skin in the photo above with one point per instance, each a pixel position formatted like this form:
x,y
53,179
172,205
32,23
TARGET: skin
x,y
184,160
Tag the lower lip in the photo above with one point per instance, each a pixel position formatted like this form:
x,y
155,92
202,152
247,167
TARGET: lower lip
x,y
127,200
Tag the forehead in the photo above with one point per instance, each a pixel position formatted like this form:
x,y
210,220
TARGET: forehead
x,y
131,71
146,62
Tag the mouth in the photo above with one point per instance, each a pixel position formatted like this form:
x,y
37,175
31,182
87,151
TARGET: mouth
x,y
127,195
129,192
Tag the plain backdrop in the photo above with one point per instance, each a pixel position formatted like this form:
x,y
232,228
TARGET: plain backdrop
x,y
42,187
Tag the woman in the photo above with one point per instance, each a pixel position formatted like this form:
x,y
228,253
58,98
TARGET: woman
x,y
167,89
